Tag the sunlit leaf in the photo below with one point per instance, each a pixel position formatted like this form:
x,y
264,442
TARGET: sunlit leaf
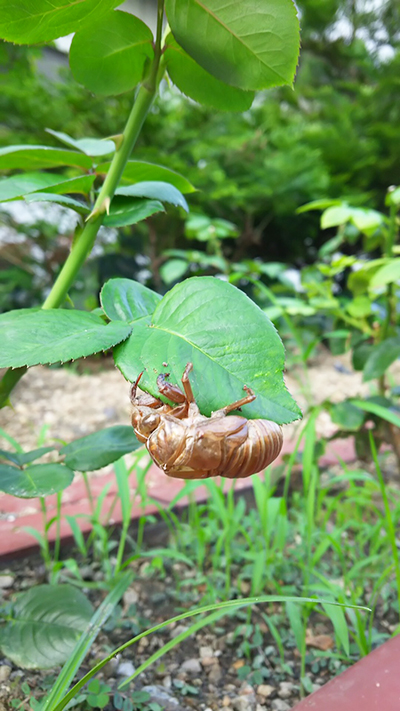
x,y
200,85
252,44
34,21
226,336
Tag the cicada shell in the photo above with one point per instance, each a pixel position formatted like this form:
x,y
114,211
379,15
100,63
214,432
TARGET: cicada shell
x,y
187,445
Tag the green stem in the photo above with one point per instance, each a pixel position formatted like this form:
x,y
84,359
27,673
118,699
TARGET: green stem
x,y
83,245
46,547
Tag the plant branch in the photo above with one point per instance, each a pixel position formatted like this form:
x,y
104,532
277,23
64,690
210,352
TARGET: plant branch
x,y
83,245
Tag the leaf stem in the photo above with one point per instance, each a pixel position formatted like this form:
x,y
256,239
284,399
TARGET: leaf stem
x,y
83,245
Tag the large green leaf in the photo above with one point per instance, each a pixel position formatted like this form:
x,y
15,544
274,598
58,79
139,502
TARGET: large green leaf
x,y
33,336
124,211
156,189
110,56
127,300
200,85
34,157
101,448
62,200
36,480
18,186
46,623
91,146
251,44
381,357
33,21
137,171
229,340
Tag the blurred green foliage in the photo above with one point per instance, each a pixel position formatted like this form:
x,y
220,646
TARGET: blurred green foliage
x,y
335,134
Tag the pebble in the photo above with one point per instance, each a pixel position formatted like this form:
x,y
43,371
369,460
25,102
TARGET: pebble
x,y
215,674
125,669
261,708
6,581
178,630
191,666
285,690
206,652
131,597
209,661
280,705
5,672
265,690
247,699
159,695
167,682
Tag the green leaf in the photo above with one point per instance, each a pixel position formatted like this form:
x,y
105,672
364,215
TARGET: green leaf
x,y
251,45
229,340
36,480
137,171
34,157
127,300
91,146
62,200
128,212
156,189
381,358
379,410
335,216
337,617
386,274
18,186
347,415
34,21
173,270
10,456
200,85
360,279
80,184
33,336
101,448
318,205
109,57
360,355
46,623
393,197
22,458
360,307
365,220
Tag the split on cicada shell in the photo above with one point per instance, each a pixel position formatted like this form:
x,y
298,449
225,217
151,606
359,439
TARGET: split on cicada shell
x,y
188,445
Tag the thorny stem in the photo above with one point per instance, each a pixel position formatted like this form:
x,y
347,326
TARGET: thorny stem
x,y
83,245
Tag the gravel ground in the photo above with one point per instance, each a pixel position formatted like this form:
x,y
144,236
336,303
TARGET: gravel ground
x,y
204,673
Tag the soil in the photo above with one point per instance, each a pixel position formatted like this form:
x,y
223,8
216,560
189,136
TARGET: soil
x,y
206,671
